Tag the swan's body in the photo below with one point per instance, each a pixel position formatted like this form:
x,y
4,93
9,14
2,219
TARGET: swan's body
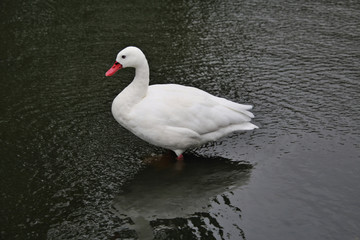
x,y
173,116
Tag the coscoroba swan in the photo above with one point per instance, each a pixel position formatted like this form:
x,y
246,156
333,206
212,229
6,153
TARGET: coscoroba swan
x,y
173,116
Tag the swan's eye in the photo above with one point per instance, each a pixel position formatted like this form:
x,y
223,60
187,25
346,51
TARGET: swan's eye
x,y
123,56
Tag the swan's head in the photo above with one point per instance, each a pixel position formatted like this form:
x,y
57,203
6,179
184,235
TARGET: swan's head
x,y
128,57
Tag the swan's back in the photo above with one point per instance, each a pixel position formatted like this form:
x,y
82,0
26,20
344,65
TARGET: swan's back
x,y
191,108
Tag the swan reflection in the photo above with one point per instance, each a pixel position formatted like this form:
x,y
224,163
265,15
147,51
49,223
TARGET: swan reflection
x,y
191,194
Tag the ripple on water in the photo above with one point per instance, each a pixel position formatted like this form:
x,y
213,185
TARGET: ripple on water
x,y
67,159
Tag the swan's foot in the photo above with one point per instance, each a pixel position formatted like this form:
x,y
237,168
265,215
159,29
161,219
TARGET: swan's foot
x,y
180,157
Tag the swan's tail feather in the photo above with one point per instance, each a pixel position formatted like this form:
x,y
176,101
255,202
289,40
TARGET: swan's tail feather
x,y
246,126
242,108
213,136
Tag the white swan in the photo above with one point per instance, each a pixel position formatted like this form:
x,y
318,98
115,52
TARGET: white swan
x,y
173,116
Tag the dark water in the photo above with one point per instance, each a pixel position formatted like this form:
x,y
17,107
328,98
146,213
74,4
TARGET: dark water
x,y
69,171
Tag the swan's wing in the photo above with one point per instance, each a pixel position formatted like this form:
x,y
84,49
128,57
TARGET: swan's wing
x,y
190,108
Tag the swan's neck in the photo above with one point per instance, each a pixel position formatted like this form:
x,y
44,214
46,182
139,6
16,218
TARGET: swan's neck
x,y
134,92
140,84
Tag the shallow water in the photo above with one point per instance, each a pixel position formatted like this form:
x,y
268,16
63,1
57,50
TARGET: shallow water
x,y
69,171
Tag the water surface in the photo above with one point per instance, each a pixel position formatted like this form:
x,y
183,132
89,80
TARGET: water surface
x,y
69,171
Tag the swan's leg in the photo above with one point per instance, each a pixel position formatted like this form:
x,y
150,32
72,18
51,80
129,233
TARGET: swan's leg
x,y
179,154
